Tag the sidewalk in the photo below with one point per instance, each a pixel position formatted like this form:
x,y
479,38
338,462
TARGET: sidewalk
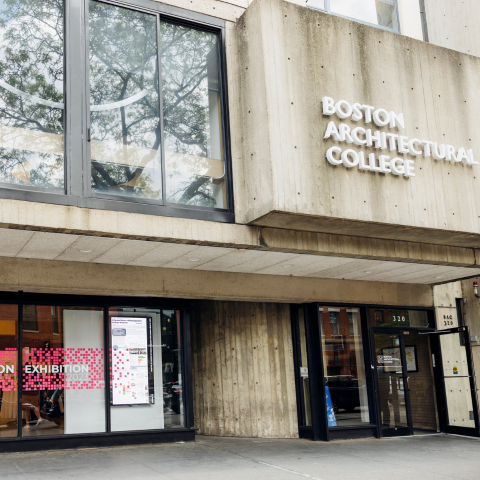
x,y
212,458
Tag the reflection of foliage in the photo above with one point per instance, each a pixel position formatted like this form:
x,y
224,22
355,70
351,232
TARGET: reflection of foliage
x,y
185,86
123,62
31,59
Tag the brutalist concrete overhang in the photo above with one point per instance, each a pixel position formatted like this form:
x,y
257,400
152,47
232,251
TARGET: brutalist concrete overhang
x,y
290,58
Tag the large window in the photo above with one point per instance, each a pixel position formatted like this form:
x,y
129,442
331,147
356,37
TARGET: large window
x,y
31,93
376,12
69,385
142,119
344,367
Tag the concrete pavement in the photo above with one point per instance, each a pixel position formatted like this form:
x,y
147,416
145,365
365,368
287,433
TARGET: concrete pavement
x,y
212,458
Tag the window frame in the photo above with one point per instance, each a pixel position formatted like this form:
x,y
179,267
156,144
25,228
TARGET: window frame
x,y
329,11
125,437
77,171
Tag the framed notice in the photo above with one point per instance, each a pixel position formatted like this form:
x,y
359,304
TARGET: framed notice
x,y
411,355
391,360
132,381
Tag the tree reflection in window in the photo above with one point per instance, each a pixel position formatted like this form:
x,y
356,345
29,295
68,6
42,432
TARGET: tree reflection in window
x,y
124,102
192,117
31,93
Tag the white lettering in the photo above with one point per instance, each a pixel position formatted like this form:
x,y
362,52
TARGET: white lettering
x,y
343,113
361,163
383,161
402,144
368,113
344,132
10,369
397,167
76,369
438,151
392,137
332,131
373,163
397,121
328,106
371,137
471,159
411,146
409,168
354,158
330,156
357,112
450,153
427,148
355,137
377,117
462,155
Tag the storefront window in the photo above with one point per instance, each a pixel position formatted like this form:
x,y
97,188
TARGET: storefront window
x,y
145,366
344,367
394,317
63,371
195,173
8,370
31,93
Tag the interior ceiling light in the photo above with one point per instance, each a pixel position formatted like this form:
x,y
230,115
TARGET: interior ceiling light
x,y
286,266
86,251
369,271
439,276
193,259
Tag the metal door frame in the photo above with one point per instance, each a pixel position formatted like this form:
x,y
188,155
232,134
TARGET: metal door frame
x,y
439,378
391,432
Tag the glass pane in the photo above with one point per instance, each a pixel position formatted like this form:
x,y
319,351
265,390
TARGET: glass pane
x,y
305,382
172,369
63,371
457,381
8,370
146,369
124,103
390,381
343,360
378,12
31,93
195,172
386,317
421,383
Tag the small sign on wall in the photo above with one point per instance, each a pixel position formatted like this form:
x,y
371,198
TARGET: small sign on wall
x,y
304,371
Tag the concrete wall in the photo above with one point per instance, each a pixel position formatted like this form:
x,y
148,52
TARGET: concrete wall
x,y
290,58
45,276
242,369
454,24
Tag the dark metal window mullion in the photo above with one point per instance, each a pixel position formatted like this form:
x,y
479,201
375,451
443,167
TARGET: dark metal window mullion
x,y
160,98
87,157
20,370
107,365
224,115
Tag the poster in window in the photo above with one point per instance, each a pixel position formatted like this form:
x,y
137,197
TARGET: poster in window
x,y
411,355
132,361
391,360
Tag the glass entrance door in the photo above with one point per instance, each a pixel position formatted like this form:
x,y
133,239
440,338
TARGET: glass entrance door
x,y
457,381
392,384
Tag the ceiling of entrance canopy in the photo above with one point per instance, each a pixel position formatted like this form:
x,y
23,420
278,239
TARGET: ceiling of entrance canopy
x,y
139,253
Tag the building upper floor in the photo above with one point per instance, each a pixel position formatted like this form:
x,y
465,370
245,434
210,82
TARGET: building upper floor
x,y
116,117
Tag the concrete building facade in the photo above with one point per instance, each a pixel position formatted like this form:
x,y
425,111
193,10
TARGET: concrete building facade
x,y
236,218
